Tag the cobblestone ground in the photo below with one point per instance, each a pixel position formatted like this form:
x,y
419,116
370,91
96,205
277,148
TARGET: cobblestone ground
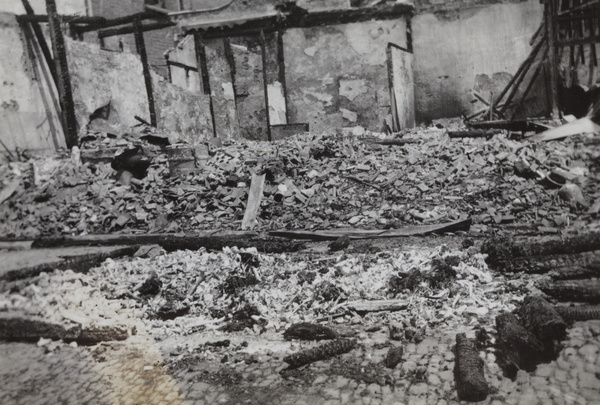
x,y
135,372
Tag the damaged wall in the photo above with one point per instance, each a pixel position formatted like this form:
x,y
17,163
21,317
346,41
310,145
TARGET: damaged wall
x,y
337,76
39,6
468,49
28,99
118,79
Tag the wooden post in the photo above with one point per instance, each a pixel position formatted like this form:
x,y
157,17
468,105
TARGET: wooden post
x,y
203,69
263,48
141,50
550,23
64,79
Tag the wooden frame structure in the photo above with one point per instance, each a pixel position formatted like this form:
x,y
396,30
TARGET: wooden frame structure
x,y
567,26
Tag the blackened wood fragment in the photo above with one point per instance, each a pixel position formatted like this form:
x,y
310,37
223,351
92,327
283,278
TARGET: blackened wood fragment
x,y
584,290
309,331
579,312
20,329
468,371
570,264
95,334
393,357
323,352
516,347
151,285
473,133
500,249
542,319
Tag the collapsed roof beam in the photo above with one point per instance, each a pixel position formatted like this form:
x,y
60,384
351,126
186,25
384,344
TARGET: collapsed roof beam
x,y
144,15
71,19
131,29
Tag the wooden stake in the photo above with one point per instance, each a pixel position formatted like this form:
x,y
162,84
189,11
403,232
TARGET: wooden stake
x,y
62,70
141,50
550,22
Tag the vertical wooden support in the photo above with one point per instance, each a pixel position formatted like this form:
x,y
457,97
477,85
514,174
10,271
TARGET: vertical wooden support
x,y
203,69
64,79
37,30
550,23
263,49
281,76
141,50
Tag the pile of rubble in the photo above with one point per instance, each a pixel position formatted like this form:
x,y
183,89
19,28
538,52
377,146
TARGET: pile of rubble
x,y
312,182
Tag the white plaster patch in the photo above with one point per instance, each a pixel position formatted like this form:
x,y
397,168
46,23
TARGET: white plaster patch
x,y
349,115
352,88
327,80
310,51
228,91
276,104
325,98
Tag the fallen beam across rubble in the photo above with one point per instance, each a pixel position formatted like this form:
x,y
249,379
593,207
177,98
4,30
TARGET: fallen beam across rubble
x,y
417,230
171,242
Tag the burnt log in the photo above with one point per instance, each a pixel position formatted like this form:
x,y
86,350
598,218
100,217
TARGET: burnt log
x,y
583,290
173,242
579,312
502,249
92,335
19,329
516,347
564,265
542,319
309,331
393,357
323,352
468,371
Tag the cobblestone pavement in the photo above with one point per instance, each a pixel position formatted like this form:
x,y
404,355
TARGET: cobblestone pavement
x,y
143,371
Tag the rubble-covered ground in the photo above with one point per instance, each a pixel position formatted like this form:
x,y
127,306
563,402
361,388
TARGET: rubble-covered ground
x,y
316,182
208,327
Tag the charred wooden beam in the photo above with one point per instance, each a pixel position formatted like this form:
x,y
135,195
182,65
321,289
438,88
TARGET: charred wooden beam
x,y
584,290
171,242
550,14
64,79
473,133
468,371
323,352
509,125
502,249
586,263
309,331
516,347
578,312
203,67
71,19
141,50
41,39
144,15
111,32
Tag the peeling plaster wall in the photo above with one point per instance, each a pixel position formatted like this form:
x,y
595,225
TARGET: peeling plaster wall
x,y
28,98
39,6
468,49
100,77
185,53
221,87
337,76
249,87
